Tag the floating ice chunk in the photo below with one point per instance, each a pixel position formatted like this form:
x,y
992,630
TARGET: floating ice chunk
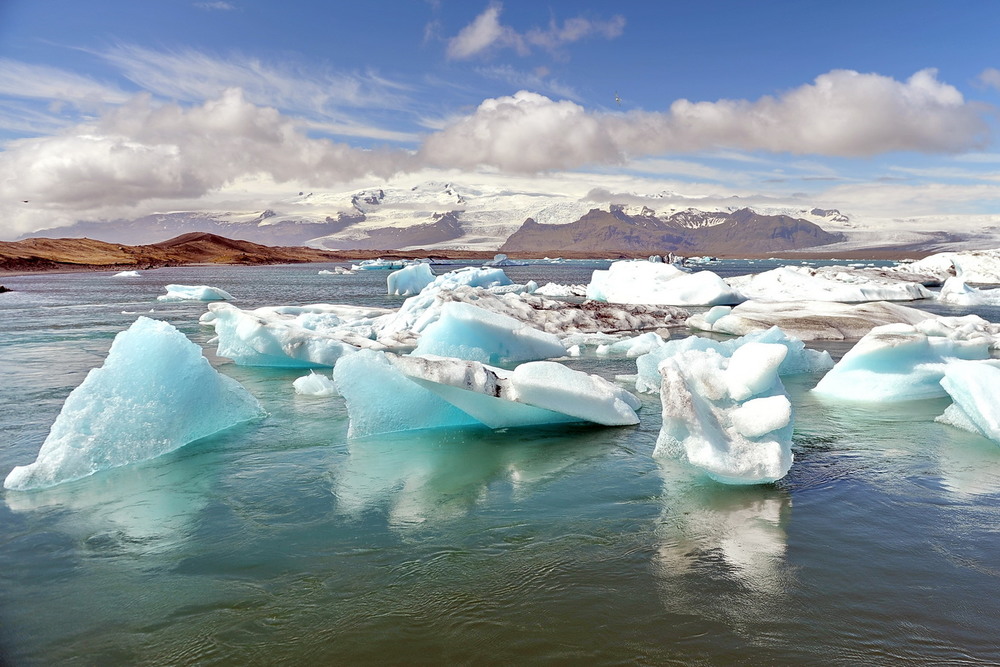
x,y
976,266
659,283
807,320
956,291
337,271
797,359
903,362
409,280
973,387
803,283
540,392
126,274
154,393
469,332
315,384
381,264
632,347
265,339
503,260
380,399
733,441
194,293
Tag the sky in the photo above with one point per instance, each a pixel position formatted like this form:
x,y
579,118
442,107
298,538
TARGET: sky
x,y
116,109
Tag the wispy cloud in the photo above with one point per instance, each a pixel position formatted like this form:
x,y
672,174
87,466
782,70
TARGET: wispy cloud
x,y
486,33
216,6
51,84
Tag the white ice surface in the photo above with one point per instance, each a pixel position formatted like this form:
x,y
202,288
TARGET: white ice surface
x,y
639,282
154,393
127,274
803,283
956,291
973,388
466,331
977,266
194,293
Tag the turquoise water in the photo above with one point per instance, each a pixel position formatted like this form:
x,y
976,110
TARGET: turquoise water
x,y
281,542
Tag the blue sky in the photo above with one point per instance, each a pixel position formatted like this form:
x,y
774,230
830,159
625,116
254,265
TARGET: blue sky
x,y
114,109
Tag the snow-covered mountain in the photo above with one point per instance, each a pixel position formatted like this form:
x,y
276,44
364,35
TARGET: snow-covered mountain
x,y
442,215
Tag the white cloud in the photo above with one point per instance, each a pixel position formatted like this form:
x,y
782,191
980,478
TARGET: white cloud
x,y
216,6
990,78
487,33
40,82
842,113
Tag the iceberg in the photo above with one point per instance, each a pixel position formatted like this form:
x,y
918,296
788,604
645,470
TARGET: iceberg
x,y
639,282
538,392
901,362
973,388
633,347
409,280
469,332
194,293
803,283
729,416
154,393
558,291
798,358
806,320
977,266
126,274
314,384
380,399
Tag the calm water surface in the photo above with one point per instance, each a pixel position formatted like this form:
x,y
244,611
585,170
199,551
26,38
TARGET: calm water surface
x,y
281,542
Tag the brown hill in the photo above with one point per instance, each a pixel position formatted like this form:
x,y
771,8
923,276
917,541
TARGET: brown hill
x,y
744,233
44,254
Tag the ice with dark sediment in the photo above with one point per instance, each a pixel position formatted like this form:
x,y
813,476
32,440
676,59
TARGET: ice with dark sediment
x,y
806,320
803,283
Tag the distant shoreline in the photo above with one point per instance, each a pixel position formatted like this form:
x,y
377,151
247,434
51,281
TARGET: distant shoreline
x,y
41,255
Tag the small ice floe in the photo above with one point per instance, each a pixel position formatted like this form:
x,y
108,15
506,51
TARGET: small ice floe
x,y
803,283
639,282
557,291
901,362
337,271
633,347
126,274
381,264
409,280
315,384
469,332
798,358
154,393
806,320
973,388
503,260
727,415
194,293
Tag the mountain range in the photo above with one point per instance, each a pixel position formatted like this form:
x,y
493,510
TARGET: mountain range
x,y
444,217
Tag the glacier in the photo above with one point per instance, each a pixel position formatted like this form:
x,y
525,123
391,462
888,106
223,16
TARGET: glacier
x,y
643,282
194,293
154,393
727,415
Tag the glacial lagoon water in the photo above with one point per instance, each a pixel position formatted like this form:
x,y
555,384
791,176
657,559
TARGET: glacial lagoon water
x,y
282,542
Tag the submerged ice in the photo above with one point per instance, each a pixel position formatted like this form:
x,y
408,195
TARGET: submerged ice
x,y
154,393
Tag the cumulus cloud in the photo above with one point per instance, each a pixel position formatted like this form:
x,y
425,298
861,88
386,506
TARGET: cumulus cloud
x,y
842,113
487,33
990,78
144,151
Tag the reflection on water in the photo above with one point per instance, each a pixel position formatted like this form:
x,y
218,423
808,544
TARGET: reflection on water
x,y
440,475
